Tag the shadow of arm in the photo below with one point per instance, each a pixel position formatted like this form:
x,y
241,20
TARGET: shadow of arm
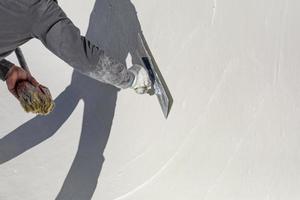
x,y
37,129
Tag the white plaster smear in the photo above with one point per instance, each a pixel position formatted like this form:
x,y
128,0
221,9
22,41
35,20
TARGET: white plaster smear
x,y
233,132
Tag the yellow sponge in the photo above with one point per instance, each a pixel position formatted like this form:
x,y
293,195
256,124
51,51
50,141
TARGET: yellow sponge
x,y
33,99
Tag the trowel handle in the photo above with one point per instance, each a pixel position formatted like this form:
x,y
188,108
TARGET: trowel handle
x,y
149,68
21,59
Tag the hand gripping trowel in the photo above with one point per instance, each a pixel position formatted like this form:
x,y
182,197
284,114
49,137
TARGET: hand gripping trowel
x,y
159,86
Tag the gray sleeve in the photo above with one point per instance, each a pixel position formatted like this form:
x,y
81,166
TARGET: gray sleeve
x,y
5,65
57,32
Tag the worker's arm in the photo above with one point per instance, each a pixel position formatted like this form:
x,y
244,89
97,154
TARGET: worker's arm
x,y
57,32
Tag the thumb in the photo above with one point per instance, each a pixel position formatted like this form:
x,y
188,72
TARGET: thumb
x,y
11,77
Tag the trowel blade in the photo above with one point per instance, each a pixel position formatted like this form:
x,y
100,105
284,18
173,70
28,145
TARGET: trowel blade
x,y
159,86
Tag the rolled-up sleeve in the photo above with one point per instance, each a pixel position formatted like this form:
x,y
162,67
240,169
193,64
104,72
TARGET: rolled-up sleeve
x,y
5,65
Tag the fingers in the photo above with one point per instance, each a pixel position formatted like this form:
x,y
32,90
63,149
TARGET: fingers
x,y
11,82
15,75
44,89
14,92
11,78
33,81
142,90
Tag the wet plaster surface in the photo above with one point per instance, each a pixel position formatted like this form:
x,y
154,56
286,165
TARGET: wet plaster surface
x,y
233,132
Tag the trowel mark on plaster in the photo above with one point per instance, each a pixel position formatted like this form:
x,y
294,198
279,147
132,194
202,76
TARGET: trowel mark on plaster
x,y
127,164
183,144
220,177
282,37
214,10
187,41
